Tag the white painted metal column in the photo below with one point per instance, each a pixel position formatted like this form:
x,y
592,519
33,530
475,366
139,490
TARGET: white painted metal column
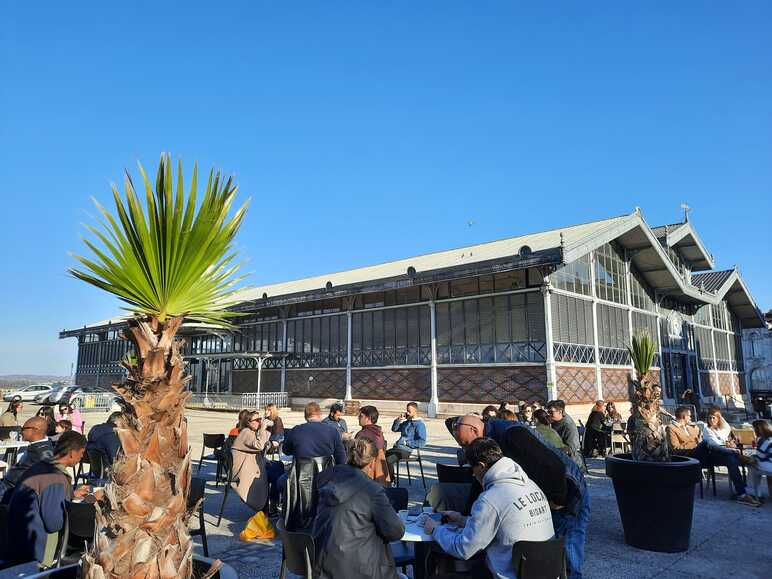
x,y
728,324
260,361
552,379
629,276
349,334
659,339
714,370
598,378
434,402
284,358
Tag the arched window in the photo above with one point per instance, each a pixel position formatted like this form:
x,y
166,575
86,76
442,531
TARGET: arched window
x,y
760,378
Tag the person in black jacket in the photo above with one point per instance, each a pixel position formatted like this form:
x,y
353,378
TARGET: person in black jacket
x,y
102,437
314,438
597,436
355,521
39,448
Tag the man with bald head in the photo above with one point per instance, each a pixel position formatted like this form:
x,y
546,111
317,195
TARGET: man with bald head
x,y
39,448
551,469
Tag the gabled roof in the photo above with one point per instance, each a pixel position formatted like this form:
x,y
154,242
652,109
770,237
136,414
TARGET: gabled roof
x,y
712,280
683,237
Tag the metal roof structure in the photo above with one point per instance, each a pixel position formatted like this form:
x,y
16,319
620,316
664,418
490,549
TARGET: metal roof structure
x,y
550,248
712,280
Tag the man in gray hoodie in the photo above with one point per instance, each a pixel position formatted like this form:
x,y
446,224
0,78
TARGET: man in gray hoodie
x,y
511,508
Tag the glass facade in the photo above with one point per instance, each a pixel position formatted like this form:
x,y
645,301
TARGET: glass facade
x,y
574,277
391,337
610,274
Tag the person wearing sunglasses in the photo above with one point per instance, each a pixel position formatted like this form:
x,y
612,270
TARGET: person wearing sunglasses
x,y
249,468
39,448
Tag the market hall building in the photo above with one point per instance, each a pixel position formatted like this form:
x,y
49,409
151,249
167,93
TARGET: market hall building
x,y
540,316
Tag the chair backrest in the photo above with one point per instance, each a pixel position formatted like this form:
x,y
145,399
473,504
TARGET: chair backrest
x,y
82,519
197,491
447,473
97,461
3,527
298,550
397,497
300,494
214,440
539,559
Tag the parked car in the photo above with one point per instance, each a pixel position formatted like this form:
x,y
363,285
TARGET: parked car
x,y
29,393
56,395
90,397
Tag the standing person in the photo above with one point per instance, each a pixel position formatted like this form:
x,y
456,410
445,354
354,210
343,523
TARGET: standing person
x,y
39,448
36,511
412,434
526,416
368,420
249,469
559,478
355,522
717,434
67,412
11,416
335,418
511,508
596,437
762,458
47,413
564,425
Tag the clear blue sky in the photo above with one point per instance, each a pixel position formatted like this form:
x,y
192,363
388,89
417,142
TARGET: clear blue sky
x,y
367,131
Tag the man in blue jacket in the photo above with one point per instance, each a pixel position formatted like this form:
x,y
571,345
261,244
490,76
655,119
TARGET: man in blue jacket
x,y
36,511
412,434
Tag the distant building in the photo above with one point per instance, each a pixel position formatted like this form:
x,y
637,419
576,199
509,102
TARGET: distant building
x,y
546,315
757,351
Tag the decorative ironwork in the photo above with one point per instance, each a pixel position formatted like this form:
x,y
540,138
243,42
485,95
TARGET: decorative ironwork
x,y
316,360
580,353
251,363
492,383
492,354
723,365
614,356
415,356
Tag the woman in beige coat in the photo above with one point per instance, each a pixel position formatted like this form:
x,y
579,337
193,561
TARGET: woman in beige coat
x,y
249,461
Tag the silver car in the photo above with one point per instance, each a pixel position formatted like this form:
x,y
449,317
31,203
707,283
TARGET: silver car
x,y
56,395
29,393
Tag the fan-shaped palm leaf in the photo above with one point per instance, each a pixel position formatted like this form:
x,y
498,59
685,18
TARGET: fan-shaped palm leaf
x,y
171,257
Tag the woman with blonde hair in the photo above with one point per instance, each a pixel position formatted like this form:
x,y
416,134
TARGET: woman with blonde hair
x,y
718,436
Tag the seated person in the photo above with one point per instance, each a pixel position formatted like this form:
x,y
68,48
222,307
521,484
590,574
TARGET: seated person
x,y
61,426
36,509
412,434
249,461
368,418
526,416
39,448
277,424
104,438
685,437
544,427
315,438
507,415
597,434
335,418
718,436
354,522
67,412
11,416
762,458
47,413
511,508
489,412
565,426
234,432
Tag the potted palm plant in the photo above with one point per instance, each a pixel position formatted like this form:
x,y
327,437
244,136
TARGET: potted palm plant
x,y
169,260
654,490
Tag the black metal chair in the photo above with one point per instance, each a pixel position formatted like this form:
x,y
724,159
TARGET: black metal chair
x,y
227,460
447,473
97,464
297,553
403,553
539,559
414,456
196,501
5,432
81,517
216,443
397,497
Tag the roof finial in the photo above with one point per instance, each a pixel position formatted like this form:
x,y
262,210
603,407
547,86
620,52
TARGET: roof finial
x,y
562,241
686,208
637,210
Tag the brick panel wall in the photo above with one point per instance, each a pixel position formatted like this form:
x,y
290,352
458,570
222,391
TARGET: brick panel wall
x,y
576,384
391,384
492,384
725,383
325,383
617,385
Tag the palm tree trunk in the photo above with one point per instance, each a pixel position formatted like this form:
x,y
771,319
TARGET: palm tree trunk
x,y
648,440
145,511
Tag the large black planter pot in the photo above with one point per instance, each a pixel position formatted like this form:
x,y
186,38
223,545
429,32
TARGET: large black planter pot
x,y
656,500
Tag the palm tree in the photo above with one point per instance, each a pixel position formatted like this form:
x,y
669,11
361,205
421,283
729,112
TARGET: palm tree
x,y
169,260
648,439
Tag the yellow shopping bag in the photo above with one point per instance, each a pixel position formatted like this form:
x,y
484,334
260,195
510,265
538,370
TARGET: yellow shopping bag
x,y
258,527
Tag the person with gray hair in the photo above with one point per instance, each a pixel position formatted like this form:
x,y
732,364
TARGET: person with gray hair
x,y
354,522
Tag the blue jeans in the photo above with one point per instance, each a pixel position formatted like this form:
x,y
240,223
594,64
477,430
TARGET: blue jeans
x,y
573,530
731,460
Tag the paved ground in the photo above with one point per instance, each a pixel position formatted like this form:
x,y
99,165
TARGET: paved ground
x,y
728,539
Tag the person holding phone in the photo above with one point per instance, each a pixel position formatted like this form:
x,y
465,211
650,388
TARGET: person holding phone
x,y
412,435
